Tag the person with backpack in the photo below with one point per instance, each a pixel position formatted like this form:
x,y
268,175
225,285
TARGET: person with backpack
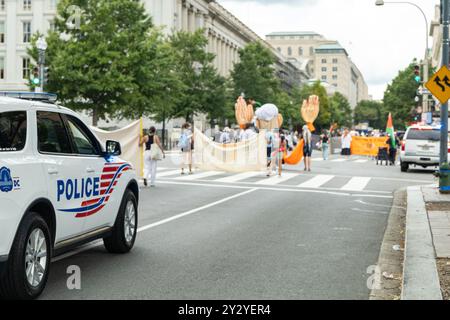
x,y
153,152
186,144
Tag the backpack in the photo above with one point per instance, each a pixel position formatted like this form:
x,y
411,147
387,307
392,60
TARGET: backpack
x,y
184,141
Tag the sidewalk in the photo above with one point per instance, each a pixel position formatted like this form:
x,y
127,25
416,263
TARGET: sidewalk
x,y
427,247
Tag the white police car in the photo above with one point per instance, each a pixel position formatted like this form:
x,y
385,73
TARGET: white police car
x,y
59,188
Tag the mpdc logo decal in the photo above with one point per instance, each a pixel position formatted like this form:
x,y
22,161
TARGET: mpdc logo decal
x,y
8,183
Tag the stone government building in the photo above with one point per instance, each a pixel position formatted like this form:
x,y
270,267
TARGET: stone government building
x,y
19,19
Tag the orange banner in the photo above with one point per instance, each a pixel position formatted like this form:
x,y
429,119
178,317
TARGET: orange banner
x,y
367,146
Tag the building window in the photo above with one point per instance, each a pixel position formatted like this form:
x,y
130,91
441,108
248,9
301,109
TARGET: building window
x,y
289,51
324,69
2,32
26,32
324,60
279,49
25,68
51,26
335,77
335,85
300,51
26,5
2,68
324,78
2,5
335,69
335,60
311,51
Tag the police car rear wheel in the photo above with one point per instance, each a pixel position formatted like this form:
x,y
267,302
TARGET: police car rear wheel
x,y
29,261
124,233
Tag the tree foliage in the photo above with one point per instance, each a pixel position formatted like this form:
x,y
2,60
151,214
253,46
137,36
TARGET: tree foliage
x,y
372,112
399,97
340,110
254,74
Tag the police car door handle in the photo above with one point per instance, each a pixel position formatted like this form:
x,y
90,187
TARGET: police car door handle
x,y
52,171
90,170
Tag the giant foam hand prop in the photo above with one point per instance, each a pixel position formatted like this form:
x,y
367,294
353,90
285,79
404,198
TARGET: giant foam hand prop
x,y
310,111
244,113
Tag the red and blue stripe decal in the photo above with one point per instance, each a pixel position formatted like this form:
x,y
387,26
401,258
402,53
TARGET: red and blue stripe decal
x,y
108,180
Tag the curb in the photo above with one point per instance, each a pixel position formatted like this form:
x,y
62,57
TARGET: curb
x,y
420,276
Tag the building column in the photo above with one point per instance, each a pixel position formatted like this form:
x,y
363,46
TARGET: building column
x,y
185,17
180,15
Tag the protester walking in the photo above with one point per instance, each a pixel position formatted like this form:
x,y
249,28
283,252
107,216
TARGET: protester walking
x,y
307,147
393,143
346,140
154,152
325,143
225,137
186,144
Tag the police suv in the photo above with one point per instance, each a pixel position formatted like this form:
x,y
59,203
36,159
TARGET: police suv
x,y
59,188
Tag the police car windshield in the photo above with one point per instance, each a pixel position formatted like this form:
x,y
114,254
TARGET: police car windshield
x,y
424,134
13,131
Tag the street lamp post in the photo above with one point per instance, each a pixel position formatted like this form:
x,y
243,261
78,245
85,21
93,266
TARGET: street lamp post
x,y
41,45
426,61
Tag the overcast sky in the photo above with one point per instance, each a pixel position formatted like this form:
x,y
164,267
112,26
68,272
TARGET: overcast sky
x,y
380,40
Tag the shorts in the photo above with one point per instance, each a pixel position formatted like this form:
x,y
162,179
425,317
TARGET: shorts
x,y
307,151
269,153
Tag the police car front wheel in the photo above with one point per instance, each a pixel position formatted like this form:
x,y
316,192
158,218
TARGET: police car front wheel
x,y
123,235
29,260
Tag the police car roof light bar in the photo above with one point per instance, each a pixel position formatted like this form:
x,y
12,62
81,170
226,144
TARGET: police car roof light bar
x,y
33,96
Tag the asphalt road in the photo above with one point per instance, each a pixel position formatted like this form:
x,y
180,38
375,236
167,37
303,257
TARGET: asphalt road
x,y
305,236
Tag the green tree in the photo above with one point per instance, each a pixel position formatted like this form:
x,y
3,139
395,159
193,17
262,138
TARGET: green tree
x,y
99,65
399,97
340,110
203,90
371,111
254,74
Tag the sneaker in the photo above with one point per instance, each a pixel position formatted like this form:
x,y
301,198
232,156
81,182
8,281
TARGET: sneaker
x,y
145,182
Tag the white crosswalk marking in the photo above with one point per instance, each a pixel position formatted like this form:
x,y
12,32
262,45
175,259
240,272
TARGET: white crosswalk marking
x,y
239,177
198,176
317,181
317,159
277,179
168,173
361,161
339,160
356,184
162,168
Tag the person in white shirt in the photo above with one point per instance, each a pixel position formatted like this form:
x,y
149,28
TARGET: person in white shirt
x,y
225,137
346,140
248,132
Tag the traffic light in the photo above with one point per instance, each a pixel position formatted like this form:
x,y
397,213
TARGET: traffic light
x,y
34,77
46,74
417,76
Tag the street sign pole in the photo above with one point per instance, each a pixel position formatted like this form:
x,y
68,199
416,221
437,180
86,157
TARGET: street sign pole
x,y
445,62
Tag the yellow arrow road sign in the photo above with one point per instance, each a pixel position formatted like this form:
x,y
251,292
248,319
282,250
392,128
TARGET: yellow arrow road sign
x,y
439,85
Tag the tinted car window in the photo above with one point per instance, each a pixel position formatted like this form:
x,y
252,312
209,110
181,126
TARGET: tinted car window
x,y
416,134
84,144
13,130
52,135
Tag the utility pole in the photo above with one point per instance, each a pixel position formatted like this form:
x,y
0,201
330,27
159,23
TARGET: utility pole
x,y
445,62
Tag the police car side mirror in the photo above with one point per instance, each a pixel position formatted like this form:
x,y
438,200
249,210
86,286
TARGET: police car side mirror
x,y
113,148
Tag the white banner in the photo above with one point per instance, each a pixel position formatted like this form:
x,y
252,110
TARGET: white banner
x,y
129,141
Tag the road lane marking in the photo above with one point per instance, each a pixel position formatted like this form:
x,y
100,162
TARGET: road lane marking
x,y
369,211
277,179
156,224
239,177
361,161
285,188
317,159
356,184
339,160
168,173
201,175
317,181
378,205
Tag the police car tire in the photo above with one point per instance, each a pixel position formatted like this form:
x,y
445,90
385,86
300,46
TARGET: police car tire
x,y
14,285
116,243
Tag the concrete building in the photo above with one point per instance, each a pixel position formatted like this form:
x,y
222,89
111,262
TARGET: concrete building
x,y
19,20
324,60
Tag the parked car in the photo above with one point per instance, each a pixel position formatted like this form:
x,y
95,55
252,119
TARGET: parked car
x,y
420,146
59,188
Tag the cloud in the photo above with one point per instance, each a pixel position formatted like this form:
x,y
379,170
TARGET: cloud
x,y
380,40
